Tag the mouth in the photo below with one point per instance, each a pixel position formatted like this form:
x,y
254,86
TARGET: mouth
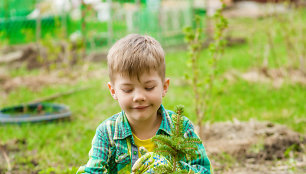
x,y
140,107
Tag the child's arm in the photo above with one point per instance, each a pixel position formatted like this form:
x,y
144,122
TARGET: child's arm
x,y
98,154
201,164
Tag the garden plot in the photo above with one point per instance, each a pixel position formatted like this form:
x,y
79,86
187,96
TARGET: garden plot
x,y
254,147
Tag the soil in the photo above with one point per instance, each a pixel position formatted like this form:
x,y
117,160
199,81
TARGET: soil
x,y
32,57
276,77
254,147
36,82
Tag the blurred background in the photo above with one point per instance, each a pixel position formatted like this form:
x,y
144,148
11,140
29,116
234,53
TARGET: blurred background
x,y
54,51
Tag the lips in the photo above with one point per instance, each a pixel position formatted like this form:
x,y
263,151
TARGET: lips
x,y
140,107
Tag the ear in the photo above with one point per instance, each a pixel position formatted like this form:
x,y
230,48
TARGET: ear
x,y
165,86
112,90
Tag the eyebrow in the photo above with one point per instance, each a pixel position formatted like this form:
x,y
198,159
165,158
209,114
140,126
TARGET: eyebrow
x,y
130,84
126,84
149,81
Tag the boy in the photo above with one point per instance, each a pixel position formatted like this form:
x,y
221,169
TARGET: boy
x,y
136,68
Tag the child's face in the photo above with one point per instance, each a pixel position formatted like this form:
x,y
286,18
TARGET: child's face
x,y
140,99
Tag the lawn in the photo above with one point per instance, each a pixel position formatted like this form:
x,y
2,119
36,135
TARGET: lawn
x,y
61,147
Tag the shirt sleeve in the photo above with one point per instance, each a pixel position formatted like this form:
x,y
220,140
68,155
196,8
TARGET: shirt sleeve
x,y
99,153
201,164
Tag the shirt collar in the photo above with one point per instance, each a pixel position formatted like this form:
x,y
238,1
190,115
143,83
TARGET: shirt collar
x,y
123,129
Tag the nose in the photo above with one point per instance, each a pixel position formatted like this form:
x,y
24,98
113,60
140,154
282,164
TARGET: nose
x,y
139,96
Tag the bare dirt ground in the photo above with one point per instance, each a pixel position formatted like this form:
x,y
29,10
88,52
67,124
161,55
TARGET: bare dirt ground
x,y
277,76
254,148
36,82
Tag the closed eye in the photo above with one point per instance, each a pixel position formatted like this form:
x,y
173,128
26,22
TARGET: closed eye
x,y
150,89
127,90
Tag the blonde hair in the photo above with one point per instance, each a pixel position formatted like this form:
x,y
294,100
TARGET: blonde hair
x,y
135,54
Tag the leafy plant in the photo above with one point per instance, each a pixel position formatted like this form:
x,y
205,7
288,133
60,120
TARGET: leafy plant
x,y
56,50
175,147
202,85
60,52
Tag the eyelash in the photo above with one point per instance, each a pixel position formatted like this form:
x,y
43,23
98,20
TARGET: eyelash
x,y
130,90
127,91
149,89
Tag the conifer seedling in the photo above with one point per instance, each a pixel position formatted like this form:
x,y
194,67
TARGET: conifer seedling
x,y
175,147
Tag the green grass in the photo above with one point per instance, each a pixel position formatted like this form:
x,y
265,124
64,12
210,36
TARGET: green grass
x,y
65,145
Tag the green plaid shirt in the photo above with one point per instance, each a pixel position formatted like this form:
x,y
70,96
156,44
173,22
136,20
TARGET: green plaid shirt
x,y
114,151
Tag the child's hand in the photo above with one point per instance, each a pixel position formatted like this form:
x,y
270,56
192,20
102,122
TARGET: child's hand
x,y
147,163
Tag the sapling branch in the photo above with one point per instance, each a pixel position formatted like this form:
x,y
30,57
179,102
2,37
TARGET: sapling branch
x,y
175,147
203,91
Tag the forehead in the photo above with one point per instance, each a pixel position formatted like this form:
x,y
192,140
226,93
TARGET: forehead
x,y
146,77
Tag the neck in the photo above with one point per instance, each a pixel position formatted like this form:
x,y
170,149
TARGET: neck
x,y
146,129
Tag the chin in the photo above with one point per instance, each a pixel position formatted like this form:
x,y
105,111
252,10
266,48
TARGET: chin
x,y
141,117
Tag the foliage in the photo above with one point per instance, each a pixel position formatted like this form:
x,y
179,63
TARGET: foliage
x,y
203,84
193,39
175,147
59,51
55,49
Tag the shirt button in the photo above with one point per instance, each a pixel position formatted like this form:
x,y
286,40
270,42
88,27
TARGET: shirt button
x,y
135,153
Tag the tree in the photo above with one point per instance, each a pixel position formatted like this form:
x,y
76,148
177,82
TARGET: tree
x,y
203,84
175,147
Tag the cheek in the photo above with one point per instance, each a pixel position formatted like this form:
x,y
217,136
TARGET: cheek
x,y
123,100
157,96
123,103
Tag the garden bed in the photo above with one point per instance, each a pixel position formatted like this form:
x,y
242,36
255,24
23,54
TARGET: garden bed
x,y
254,147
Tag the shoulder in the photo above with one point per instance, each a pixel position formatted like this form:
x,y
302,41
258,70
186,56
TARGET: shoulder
x,y
108,125
188,127
170,112
109,121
